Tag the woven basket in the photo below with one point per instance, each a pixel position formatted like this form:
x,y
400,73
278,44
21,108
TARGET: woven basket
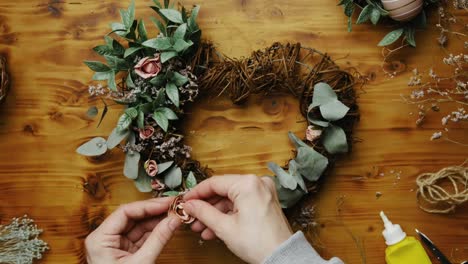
x,y
4,79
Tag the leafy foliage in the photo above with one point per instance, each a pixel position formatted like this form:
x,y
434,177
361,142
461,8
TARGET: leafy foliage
x,y
308,165
373,11
331,109
150,101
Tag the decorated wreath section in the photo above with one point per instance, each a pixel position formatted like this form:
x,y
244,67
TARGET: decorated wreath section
x,y
156,79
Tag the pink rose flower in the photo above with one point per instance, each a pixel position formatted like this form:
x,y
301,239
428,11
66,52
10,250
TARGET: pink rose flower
x,y
148,67
312,133
151,167
157,185
146,132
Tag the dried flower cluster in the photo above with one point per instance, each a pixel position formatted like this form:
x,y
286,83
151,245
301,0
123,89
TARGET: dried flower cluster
x,y
431,90
19,242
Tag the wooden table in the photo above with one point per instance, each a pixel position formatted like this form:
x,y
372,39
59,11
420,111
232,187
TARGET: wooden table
x,y
43,121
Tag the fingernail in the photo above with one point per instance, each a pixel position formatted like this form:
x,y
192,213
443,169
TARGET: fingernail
x,y
174,223
188,207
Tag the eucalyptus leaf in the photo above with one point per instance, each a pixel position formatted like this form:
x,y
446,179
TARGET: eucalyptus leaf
x,y
141,120
191,181
131,51
95,147
286,180
391,37
116,63
375,16
173,93
180,32
294,172
124,122
173,178
334,140
181,45
168,113
116,137
161,43
296,141
111,81
287,197
317,122
333,111
159,80
170,193
193,18
179,79
118,48
119,29
323,94
311,164
128,15
92,112
142,34
160,99
101,76
109,40
132,112
349,9
104,50
159,25
173,15
161,120
132,161
97,66
167,55
162,167
409,34
365,14
420,21
143,182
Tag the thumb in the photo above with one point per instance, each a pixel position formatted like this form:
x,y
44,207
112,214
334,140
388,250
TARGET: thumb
x,y
158,238
206,213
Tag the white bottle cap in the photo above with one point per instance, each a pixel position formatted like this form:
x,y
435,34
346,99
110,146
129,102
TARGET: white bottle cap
x,y
392,233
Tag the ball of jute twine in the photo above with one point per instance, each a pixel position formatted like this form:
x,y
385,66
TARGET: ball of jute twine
x,y
4,79
443,191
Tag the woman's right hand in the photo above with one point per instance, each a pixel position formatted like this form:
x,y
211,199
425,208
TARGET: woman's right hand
x,y
241,210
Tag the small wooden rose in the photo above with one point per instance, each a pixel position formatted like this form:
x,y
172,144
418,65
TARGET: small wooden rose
x,y
177,208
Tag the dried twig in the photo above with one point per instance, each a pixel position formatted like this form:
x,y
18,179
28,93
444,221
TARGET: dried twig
x,y
4,79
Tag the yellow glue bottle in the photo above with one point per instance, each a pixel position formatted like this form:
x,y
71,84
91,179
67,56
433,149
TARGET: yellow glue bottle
x,y
402,249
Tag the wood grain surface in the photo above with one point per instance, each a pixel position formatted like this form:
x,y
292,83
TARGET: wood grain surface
x,y
44,120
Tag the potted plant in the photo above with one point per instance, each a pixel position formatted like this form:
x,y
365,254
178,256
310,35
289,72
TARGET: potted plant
x,y
408,15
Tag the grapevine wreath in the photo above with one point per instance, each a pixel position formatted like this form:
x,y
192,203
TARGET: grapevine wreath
x,y
158,78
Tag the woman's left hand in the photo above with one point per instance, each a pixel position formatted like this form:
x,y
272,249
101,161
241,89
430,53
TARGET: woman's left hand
x,y
135,233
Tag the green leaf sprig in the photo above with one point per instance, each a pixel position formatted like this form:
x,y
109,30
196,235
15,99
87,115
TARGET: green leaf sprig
x,y
308,165
331,109
373,11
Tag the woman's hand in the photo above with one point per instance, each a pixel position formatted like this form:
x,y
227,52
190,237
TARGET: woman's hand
x,y
134,233
241,210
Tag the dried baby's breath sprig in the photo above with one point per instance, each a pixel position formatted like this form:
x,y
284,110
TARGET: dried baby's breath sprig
x,y
432,90
19,242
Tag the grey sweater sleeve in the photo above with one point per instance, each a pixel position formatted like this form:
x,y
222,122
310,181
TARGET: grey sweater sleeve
x,y
298,251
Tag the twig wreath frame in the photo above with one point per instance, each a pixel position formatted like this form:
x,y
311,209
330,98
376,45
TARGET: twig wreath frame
x,y
157,79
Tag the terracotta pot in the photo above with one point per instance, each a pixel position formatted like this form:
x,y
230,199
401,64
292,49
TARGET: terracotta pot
x,y
403,10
